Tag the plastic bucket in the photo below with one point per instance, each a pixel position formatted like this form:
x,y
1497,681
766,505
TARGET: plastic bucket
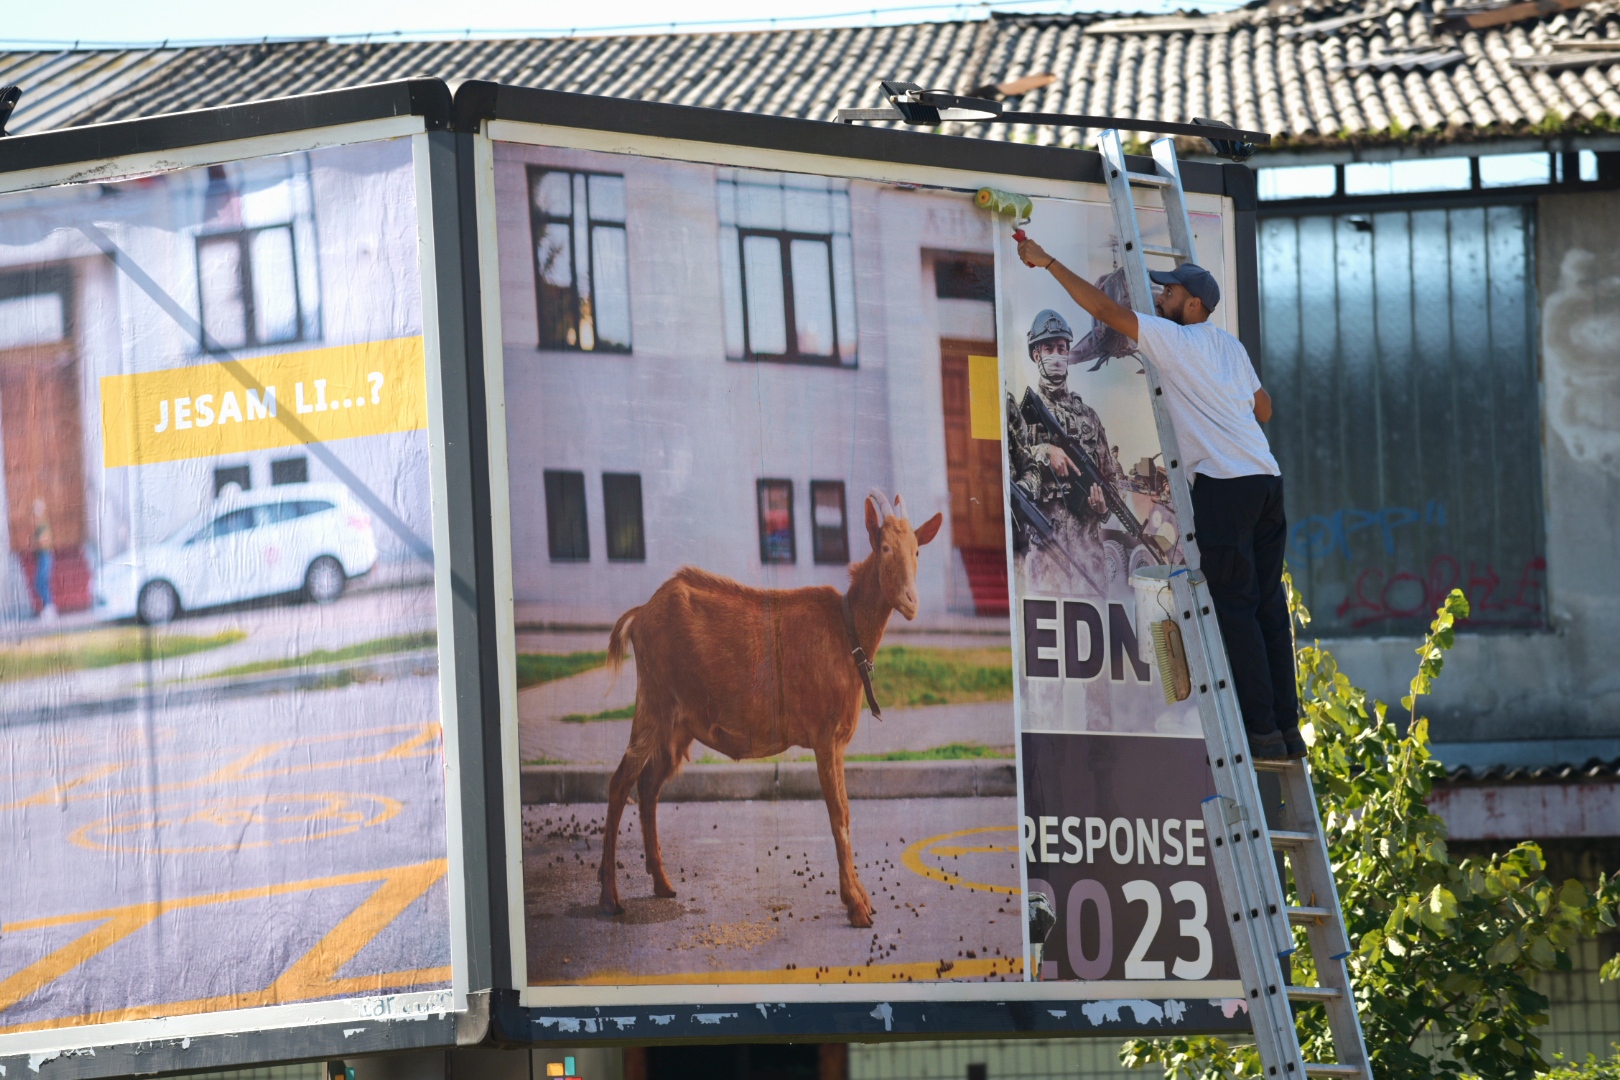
x,y
1154,603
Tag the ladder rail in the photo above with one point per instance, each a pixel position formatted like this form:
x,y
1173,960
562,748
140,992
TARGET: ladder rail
x,y
1241,841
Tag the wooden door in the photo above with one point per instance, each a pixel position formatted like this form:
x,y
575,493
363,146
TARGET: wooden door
x,y
44,443
973,465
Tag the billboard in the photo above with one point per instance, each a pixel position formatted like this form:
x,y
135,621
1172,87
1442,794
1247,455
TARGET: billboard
x,y
229,805
747,406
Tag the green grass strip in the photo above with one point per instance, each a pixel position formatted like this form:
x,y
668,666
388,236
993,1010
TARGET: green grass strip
x,y
907,675
536,668
627,712
955,751
55,653
382,646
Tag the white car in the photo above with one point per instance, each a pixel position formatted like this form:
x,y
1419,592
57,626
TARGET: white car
x,y
309,538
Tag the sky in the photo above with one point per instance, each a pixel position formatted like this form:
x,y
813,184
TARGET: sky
x,y
89,22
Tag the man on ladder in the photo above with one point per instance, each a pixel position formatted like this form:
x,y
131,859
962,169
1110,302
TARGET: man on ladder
x,y
1217,405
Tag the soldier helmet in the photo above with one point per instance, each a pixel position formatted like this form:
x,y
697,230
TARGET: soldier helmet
x,y
1048,326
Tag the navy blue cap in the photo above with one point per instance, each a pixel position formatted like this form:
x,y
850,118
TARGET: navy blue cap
x,y
1194,278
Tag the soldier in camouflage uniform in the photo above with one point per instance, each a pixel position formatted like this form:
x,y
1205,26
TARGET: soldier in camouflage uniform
x,y
1044,472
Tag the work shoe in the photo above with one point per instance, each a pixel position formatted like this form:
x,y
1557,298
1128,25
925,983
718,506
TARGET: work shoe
x,y
1294,744
1268,747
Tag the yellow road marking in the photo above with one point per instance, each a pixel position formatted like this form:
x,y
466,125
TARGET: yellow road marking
x,y
913,860
339,808
849,973
421,743
313,975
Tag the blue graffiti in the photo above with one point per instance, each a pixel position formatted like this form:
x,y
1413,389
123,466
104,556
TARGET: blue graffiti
x,y
1321,535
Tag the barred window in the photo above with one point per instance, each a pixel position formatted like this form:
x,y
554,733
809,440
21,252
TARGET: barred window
x,y
566,530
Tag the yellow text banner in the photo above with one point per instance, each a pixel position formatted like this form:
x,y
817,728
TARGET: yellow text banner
x,y
318,395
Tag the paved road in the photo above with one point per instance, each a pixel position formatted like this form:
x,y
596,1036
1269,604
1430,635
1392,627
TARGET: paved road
x,y
758,894
193,858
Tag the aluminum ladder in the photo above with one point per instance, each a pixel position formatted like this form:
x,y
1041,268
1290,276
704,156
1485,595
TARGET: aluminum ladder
x,y
1242,845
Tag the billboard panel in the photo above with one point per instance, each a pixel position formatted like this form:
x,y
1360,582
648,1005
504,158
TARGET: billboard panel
x,y
219,610
746,433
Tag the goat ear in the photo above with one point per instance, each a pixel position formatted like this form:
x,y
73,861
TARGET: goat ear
x,y
874,521
929,529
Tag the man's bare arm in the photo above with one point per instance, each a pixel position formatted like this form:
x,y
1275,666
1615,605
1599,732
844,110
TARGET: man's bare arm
x,y
1102,307
1262,405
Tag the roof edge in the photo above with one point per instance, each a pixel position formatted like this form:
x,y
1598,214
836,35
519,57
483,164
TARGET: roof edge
x,y
478,101
428,98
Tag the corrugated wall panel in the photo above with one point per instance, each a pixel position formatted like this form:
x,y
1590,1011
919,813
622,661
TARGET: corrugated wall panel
x,y
1399,347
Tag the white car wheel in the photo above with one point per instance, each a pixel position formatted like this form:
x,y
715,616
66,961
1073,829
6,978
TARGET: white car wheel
x,y
158,603
325,579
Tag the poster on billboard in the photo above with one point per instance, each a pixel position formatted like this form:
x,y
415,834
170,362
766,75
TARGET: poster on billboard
x,y
1114,768
227,804
770,731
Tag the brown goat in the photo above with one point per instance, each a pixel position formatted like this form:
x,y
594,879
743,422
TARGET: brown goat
x,y
751,672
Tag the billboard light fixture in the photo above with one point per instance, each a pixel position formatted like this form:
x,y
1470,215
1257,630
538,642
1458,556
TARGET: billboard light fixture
x,y
911,104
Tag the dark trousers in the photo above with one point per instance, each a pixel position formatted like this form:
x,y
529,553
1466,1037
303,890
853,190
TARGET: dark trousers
x,y
1241,532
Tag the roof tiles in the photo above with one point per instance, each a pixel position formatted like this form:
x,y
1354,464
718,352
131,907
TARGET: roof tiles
x,y
1311,73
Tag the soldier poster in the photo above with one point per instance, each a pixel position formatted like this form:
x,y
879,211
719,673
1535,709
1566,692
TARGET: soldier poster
x,y
1113,771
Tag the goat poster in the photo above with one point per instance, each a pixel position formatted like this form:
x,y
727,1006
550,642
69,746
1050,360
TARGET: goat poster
x,y
1113,774
218,648
740,463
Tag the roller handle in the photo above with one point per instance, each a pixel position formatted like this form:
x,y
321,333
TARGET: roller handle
x,y
1019,235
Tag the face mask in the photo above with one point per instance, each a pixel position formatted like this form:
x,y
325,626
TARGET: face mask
x,y
1054,367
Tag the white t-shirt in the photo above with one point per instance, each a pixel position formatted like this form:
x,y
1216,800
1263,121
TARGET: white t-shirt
x,y
1209,384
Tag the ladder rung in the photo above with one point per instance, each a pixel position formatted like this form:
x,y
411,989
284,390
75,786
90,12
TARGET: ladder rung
x,y
1277,766
1314,1069
1147,180
1167,252
1307,914
1287,838
1314,993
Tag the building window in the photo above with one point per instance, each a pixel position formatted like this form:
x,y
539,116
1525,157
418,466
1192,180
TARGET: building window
x,y
965,277
776,522
226,475
621,506
581,260
1400,348
294,470
787,266
829,533
248,285
566,532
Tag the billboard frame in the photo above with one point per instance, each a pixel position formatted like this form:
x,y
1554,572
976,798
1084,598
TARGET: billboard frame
x,y
523,1015
420,109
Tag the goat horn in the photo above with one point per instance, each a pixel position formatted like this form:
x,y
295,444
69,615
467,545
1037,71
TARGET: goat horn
x,y
885,510
899,509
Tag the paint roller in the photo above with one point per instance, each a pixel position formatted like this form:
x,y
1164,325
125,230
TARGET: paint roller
x,y
1009,204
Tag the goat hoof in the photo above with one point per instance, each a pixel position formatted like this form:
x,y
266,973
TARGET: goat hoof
x,y
611,907
860,918
666,892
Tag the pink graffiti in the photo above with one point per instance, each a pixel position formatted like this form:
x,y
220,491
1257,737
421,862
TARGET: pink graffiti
x,y
1377,596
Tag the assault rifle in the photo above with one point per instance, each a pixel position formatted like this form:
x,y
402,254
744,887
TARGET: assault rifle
x,y
1036,411
1025,510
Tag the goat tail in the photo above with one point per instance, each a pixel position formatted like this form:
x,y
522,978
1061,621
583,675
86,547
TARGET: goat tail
x,y
616,640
